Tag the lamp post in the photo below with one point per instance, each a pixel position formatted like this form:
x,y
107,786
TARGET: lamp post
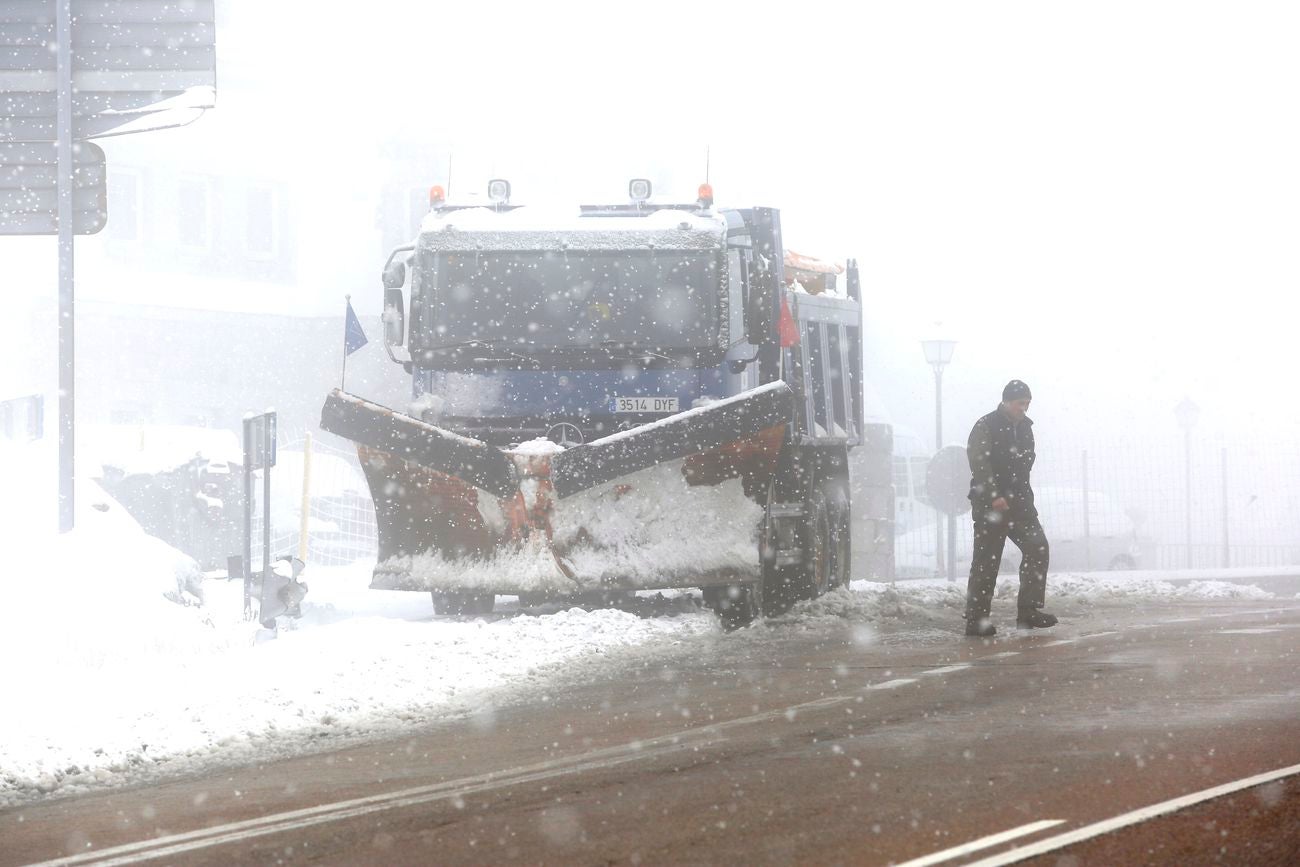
x,y
937,354
1187,413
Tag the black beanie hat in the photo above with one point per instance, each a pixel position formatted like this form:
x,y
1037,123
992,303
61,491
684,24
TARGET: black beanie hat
x,y
1016,390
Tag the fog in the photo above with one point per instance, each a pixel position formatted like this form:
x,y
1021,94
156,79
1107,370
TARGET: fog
x,y
1100,201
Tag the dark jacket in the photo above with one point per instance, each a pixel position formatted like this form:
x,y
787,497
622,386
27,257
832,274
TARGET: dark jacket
x,y
1001,455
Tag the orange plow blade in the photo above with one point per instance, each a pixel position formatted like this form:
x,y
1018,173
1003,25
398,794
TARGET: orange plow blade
x,y
671,504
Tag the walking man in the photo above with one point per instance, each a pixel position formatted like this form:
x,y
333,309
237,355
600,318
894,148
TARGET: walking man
x,y
1001,451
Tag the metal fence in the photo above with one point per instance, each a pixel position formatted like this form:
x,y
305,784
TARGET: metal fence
x,y
1174,504
340,512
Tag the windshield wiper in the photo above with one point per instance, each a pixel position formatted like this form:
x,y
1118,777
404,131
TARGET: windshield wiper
x,y
630,352
487,346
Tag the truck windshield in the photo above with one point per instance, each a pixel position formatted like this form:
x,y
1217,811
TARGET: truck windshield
x,y
666,299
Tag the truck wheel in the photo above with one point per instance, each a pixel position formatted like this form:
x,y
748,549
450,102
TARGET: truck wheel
x,y
841,547
778,592
814,575
737,605
457,603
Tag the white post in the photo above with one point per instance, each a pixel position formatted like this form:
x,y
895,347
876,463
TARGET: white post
x,y
306,499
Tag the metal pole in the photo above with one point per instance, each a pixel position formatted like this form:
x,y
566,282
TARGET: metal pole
x,y
938,445
248,518
67,369
303,527
952,547
343,379
1087,526
1187,451
1227,551
268,436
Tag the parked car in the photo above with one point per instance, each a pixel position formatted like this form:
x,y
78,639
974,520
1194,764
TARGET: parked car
x,y
1111,538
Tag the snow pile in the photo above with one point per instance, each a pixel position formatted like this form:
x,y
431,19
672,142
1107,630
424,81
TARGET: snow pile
x,y
934,602
915,603
149,681
1103,588
338,673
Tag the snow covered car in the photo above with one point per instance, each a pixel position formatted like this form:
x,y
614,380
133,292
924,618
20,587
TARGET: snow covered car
x,y
1111,538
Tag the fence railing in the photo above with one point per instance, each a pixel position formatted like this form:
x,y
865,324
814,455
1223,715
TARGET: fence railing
x,y
340,513
1173,504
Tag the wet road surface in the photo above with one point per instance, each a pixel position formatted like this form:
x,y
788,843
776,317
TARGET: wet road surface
x,y
800,744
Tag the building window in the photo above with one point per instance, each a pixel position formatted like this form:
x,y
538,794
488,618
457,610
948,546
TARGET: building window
x,y
124,205
260,236
194,212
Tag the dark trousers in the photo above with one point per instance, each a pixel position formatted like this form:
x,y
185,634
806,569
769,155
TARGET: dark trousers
x,y
992,529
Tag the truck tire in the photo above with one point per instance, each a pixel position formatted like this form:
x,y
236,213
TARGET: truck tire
x,y
779,591
813,577
459,603
737,605
841,547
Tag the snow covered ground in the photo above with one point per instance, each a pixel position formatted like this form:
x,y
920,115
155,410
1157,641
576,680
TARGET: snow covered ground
x,y
122,663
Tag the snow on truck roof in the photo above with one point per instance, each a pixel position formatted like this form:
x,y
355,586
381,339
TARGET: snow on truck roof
x,y
532,228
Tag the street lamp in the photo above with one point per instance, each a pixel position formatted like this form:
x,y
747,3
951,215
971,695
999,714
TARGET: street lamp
x,y
937,354
1187,413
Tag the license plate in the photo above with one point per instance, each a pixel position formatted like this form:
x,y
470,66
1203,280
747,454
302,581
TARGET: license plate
x,y
645,404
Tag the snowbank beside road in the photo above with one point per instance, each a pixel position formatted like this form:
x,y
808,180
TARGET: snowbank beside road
x,y
938,602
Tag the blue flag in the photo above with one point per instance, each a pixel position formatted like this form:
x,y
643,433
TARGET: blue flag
x,y
353,337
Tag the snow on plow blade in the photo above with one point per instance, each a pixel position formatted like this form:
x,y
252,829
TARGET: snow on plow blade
x,y
669,504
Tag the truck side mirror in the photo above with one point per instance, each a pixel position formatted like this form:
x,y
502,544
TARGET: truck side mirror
x,y
394,314
394,276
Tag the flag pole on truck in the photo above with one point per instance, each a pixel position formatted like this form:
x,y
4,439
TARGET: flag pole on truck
x,y
353,339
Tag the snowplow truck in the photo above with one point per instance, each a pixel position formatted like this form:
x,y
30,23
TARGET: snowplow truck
x,y
611,399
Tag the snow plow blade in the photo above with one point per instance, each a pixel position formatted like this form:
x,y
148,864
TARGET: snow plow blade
x,y
688,433
672,503
408,438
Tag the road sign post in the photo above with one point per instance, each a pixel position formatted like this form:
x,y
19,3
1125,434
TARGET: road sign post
x,y
259,454
114,68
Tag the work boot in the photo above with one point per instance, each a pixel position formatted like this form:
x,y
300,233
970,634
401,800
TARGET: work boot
x,y
1035,620
980,627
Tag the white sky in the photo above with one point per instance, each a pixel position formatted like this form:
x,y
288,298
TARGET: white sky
x,y
1101,198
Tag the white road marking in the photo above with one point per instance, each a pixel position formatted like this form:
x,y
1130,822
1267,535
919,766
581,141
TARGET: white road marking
x,y
1261,630
177,844
948,669
1059,642
1100,634
890,684
1141,815
981,843
1004,654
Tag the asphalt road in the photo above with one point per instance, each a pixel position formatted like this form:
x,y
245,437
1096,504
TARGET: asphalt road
x,y
799,744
